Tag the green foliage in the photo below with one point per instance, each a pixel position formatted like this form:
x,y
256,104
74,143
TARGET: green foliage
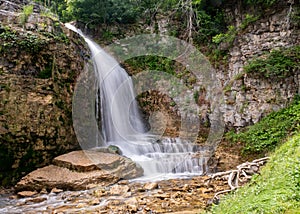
x,y
162,64
46,73
233,31
196,96
54,7
28,42
278,63
105,11
27,11
154,63
275,191
270,131
249,18
210,22
227,37
265,3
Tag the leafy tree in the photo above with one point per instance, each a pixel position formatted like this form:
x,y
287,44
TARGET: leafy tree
x,y
104,11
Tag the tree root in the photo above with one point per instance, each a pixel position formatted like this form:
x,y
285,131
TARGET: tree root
x,y
242,174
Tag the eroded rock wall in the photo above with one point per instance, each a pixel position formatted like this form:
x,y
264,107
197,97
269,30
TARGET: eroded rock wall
x,y
248,98
39,65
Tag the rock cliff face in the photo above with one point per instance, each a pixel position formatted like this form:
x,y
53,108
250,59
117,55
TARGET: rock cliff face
x,y
38,69
248,97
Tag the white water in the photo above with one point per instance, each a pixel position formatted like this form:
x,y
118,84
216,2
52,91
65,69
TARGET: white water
x,y
122,125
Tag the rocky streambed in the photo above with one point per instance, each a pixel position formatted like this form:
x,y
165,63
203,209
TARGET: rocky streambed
x,y
107,185
167,196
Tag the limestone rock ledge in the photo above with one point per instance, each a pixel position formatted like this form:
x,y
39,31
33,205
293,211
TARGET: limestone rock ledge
x,y
80,170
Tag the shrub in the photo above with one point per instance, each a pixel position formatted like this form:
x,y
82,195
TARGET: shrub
x,y
270,131
278,63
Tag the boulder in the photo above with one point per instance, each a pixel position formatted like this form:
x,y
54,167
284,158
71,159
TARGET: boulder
x,y
51,177
88,160
79,170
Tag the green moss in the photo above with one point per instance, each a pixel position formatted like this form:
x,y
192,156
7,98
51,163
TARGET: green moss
x,y
276,190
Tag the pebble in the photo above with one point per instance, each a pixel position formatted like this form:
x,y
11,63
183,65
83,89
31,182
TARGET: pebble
x,y
150,186
123,182
56,190
119,190
36,200
95,202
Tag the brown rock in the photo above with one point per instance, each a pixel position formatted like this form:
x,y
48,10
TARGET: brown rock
x,y
27,193
162,196
57,177
55,190
123,182
87,160
132,204
43,191
36,200
91,169
95,202
150,186
119,190
99,192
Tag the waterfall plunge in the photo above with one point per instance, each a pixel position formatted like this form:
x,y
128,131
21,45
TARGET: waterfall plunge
x,y
122,125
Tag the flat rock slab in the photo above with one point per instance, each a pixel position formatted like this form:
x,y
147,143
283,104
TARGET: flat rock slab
x,y
80,169
86,160
51,177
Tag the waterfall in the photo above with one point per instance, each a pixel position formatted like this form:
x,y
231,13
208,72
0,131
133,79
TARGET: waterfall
x,y
122,125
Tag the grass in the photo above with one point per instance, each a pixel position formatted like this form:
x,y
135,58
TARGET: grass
x,y
276,190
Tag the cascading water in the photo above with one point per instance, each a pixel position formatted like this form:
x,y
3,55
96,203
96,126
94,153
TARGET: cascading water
x,y
122,125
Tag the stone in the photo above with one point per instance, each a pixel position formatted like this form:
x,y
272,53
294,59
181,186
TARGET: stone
x,y
110,149
36,200
89,160
119,189
132,204
27,193
57,177
55,190
85,160
43,191
123,182
94,202
150,186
